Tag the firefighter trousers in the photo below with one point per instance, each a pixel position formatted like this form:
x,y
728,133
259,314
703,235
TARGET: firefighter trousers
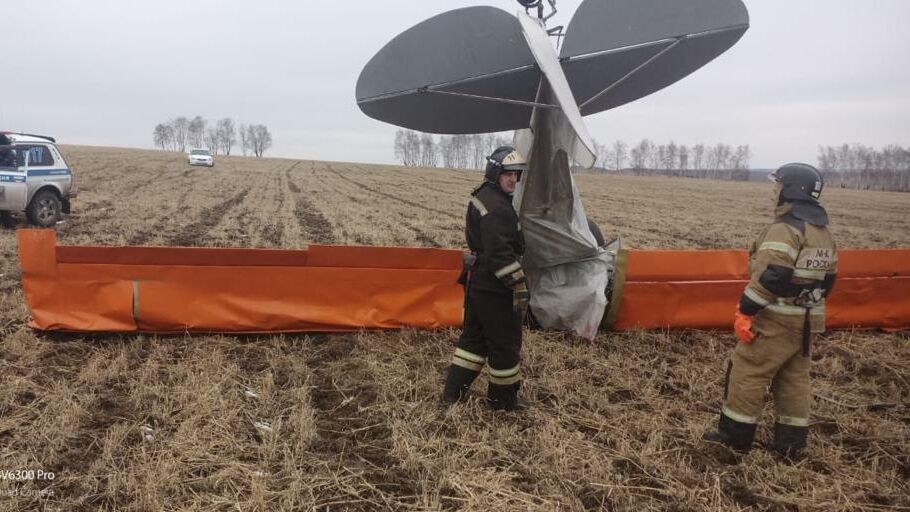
x,y
775,359
491,335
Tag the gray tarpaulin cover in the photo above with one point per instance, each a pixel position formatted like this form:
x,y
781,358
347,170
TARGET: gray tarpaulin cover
x,y
567,272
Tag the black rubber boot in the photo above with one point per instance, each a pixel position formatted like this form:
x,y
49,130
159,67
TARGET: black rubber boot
x,y
505,397
789,440
734,434
458,382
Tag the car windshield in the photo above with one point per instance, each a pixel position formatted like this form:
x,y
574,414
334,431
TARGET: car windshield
x,y
200,152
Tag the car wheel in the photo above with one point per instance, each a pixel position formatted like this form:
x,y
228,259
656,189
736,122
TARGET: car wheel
x,y
44,210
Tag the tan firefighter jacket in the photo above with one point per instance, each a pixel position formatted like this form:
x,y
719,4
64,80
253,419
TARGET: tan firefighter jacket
x,y
793,266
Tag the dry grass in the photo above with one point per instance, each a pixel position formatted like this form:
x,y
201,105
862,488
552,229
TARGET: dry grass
x,y
351,422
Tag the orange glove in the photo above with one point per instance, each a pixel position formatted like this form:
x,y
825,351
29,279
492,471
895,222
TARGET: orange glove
x,y
742,327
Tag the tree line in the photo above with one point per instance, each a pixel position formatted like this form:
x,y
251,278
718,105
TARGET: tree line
x,y
718,161
847,165
864,167
415,149
179,133
721,161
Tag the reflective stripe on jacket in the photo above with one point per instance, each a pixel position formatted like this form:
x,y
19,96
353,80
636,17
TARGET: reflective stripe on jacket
x,y
493,234
792,266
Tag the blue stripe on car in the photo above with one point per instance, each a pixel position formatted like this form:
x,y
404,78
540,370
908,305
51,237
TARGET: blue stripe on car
x,y
49,172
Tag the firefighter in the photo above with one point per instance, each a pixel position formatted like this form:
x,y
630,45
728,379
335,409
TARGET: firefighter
x,y
496,292
793,266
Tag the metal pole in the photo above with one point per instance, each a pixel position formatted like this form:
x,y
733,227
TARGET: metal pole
x,y
630,73
489,98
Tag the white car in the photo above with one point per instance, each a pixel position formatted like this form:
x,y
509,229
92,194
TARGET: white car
x,y
201,157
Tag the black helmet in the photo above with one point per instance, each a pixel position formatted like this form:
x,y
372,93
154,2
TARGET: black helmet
x,y
799,182
505,158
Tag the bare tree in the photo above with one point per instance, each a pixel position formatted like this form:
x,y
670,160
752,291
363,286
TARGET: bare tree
x,y
244,132
407,147
684,159
672,157
824,162
740,159
719,157
452,151
428,155
475,153
260,139
698,155
491,142
655,162
399,146
412,148
460,151
226,134
641,154
660,158
211,140
712,160
196,131
606,157
619,153
445,152
163,135
181,127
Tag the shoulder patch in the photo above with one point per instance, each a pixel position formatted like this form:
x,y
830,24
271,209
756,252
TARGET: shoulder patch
x,y
815,262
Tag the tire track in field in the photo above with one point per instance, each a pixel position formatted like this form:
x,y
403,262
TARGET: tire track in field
x,y
317,227
273,232
149,181
192,234
143,236
354,436
420,235
387,195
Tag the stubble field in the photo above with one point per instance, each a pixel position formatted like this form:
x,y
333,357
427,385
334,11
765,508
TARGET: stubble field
x,y
352,421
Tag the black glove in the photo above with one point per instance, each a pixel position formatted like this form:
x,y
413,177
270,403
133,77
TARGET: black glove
x,y
521,297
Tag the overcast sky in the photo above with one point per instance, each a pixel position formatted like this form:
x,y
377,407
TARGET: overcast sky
x,y
808,72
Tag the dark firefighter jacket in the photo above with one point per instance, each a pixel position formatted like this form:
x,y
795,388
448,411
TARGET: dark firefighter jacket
x,y
793,266
494,236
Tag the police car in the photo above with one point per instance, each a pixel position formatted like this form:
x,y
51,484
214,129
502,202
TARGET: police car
x,y
35,179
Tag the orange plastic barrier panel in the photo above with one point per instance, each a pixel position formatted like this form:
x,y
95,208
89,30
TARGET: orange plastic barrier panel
x,y
701,289
162,289
337,288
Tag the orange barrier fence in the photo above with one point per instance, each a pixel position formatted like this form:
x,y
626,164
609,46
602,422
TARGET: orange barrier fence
x,y
700,289
339,288
161,289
